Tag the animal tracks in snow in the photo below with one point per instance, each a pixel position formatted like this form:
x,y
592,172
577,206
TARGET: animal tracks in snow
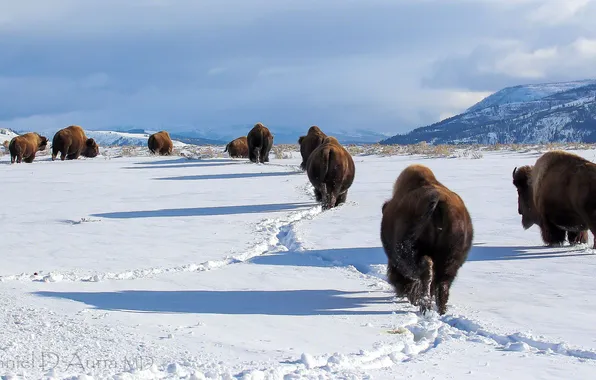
x,y
272,229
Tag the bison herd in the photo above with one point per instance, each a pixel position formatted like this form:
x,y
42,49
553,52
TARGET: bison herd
x,y
426,230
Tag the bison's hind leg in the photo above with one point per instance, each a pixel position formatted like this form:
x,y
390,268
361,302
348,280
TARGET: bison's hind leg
x,y
577,237
552,235
318,195
341,198
426,279
402,286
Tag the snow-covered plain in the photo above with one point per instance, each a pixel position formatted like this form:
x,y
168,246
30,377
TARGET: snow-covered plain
x,y
151,267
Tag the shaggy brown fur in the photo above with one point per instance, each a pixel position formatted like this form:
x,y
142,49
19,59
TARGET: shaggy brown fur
x,y
260,142
314,137
25,146
330,169
557,194
71,142
426,232
238,147
160,143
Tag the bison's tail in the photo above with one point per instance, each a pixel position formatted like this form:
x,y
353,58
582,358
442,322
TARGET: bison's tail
x,y
405,259
13,151
326,192
225,150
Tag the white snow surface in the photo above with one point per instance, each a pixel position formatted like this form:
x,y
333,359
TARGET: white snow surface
x,y
152,268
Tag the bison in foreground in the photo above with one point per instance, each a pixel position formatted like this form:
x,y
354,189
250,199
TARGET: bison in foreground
x,y
71,142
160,143
260,142
25,146
330,169
426,232
314,137
557,194
238,148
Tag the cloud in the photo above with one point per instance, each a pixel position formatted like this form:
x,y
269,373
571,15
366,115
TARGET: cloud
x,y
384,65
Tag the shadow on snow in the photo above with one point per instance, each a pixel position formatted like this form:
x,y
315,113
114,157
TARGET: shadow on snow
x,y
196,164
366,259
167,162
278,302
205,211
228,176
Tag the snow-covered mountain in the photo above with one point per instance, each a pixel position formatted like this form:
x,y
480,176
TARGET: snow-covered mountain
x,y
538,113
112,138
6,135
284,134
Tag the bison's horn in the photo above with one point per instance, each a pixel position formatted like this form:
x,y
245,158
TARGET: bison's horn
x,y
514,169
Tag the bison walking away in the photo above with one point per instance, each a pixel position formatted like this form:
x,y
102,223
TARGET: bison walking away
x,y
71,142
260,142
314,137
25,146
330,169
238,147
557,194
426,232
160,143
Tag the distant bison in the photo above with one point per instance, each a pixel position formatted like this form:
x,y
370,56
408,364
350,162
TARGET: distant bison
x,y
25,146
238,147
330,169
426,232
260,141
557,194
72,142
160,143
314,137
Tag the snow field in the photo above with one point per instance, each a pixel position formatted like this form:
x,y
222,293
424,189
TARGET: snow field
x,y
225,269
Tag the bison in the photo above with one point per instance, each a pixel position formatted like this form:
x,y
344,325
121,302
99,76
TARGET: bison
x,y
259,140
426,233
72,142
25,146
330,169
314,137
160,143
557,194
238,147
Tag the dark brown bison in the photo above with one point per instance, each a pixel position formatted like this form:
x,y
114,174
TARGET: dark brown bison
x,y
314,137
238,147
259,140
25,146
330,169
72,142
426,232
160,143
557,194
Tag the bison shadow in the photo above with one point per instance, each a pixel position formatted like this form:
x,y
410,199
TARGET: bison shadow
x,y
372,260
363,259
167,162
227,176
236,302
205,211
186,165
497,253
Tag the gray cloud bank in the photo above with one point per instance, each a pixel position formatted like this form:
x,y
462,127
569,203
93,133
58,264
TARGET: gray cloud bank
x,y
386,66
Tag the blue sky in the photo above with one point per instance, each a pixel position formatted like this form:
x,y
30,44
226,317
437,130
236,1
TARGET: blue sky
x,y
381,65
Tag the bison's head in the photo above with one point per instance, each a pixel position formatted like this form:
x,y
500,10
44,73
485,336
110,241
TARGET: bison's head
x,y
300,139
525,200
43,143
91,148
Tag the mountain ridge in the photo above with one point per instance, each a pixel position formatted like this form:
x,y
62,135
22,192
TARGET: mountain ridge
x,y
535,113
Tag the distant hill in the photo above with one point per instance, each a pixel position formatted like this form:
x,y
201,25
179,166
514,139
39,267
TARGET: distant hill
x,y
6,135
530,114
